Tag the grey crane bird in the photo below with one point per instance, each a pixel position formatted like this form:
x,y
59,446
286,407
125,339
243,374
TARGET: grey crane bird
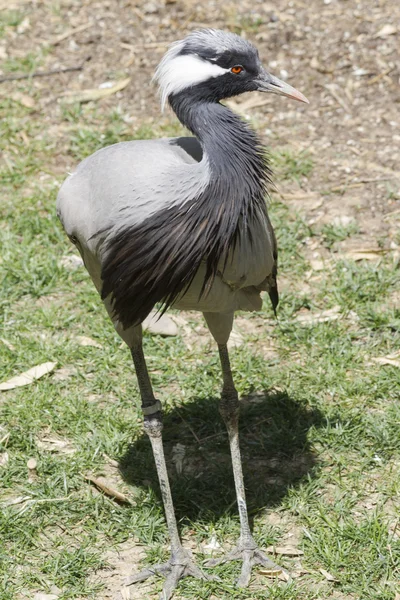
x,y
183,222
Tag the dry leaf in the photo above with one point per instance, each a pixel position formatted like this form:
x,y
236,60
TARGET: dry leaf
x,y
4,458
41,596
332,314
8,344
178,456
387,361
28,377
95,94
23,99
83,340
109,491
385,31
327,575
55,445
365,253
212,544
391,359
285,550
16,500
272,573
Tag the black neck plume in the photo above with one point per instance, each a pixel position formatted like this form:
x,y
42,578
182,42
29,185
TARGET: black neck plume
x,y
157,260
235,155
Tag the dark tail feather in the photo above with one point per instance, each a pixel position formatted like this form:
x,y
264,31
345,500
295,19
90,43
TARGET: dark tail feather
x,y
274,296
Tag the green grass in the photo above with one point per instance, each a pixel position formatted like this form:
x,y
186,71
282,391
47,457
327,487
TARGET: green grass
x,y
9,19
333,233
320,440
290,165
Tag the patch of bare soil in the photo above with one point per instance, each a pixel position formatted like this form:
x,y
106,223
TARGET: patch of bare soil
x,y
343,55
122,561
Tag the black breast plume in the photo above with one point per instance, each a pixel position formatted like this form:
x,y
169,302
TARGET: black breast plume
x,y
155,261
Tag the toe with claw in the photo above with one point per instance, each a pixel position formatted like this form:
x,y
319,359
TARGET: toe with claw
x,y
180,565
250,555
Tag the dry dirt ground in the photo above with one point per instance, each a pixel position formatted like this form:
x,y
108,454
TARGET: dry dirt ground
x,y
343,55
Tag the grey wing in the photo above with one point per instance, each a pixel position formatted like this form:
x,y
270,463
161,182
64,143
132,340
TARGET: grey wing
x,y
126,181
124,184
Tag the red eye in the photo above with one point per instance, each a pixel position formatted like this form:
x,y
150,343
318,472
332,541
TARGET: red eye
x,y
238,69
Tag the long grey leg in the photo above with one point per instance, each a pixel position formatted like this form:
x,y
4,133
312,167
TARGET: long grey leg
x,y
153,426
181,563
246,549
229,411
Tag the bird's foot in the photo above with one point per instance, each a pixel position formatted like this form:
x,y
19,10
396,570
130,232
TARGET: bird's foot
x,y
180,565
248,552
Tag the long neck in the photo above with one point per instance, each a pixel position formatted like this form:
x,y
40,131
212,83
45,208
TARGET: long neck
x,y
235,155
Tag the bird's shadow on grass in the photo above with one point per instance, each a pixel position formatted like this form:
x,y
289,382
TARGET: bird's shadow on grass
x,y
276,454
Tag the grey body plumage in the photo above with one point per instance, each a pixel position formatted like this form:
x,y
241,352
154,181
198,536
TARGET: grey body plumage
x,y
186,211
183,222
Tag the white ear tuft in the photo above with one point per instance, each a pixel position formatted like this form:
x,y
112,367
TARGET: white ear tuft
x,y
177,72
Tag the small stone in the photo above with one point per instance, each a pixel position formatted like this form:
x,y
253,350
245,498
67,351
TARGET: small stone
x,y
160,325
71,262
24,26
4,458
32,472
343,220
32,464
235,339
150,8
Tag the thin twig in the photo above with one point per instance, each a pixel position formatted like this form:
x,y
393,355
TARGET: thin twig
x,y
41,73
376,179
44,500
145,46
69,33
360,183
221,433
379,76
390,215
34,502
188,425
4,439
337,97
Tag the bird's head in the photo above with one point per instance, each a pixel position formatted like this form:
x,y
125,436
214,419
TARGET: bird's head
x,y
211,65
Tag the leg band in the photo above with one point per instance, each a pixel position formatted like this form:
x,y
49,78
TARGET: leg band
x,y
152,409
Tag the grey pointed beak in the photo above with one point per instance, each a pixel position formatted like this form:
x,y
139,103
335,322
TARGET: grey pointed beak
x,y
269,83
